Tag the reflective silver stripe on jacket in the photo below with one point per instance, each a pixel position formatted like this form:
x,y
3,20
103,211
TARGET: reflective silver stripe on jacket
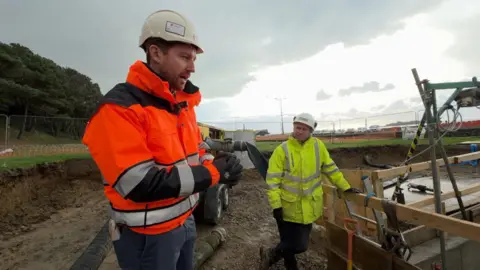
x,y
203,145
287,173
146,217
206,157
327,167
290,160
193,159
155,216
133,176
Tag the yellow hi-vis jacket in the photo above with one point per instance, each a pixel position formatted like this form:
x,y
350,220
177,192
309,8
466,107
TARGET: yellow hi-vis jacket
x,y
294,179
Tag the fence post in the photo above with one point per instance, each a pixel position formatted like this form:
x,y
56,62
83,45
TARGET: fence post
x,y
5,140
7,130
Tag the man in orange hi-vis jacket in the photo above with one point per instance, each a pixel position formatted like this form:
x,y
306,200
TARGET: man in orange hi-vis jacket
x,y
145,139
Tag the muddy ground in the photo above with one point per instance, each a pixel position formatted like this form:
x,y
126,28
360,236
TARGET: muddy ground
x,y
250,224
50,213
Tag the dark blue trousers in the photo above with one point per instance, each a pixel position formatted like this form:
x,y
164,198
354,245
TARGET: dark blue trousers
x,y
294,238
173,250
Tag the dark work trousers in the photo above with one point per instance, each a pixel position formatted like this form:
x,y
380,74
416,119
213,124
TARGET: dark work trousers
x,y
173,250
294,238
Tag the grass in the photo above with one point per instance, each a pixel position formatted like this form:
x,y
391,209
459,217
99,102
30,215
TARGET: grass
x,y
24,162
270,146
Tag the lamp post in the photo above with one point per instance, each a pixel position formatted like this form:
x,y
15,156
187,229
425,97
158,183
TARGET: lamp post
x,y
280,99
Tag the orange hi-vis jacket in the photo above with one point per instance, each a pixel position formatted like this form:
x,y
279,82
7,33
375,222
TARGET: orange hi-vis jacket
x,y
148,147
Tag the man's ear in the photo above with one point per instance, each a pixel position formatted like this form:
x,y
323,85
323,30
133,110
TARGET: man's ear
x,y
156,54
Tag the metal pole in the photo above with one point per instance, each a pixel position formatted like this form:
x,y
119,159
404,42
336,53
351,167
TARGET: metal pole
x,y
429,100
281,115
7,126
332,134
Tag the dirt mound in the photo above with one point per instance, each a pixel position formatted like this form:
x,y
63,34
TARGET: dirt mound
x,y
50,213
32,195
250,224
352,158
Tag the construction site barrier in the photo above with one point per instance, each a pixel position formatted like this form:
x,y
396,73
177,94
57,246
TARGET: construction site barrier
x,y
420,215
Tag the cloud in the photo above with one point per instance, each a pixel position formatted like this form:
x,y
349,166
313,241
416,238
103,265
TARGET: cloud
x,y
252,53
378,108
243,36
213,110
385,62
321,95
463,27
366,87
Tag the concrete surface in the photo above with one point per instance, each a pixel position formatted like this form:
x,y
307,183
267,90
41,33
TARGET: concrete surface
x,y
446,186
462,254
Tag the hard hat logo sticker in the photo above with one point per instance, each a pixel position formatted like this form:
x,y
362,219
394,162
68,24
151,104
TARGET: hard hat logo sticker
x,y
175,28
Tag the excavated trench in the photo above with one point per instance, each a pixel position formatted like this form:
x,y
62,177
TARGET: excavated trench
x,y
51,212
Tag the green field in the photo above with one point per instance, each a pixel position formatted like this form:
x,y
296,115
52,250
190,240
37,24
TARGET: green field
x,y
24,162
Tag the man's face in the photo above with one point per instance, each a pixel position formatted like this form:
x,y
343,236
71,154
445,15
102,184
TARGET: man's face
x,y
177,65
301,131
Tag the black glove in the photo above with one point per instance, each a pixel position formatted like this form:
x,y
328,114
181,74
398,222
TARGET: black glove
x,y
229,167
353,190
278,214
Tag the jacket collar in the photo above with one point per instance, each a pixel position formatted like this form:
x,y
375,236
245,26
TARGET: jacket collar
x,y
141,76
297,143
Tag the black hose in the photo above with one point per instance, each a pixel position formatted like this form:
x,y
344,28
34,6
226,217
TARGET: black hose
x,y
368,161
93,256
258,159
386,184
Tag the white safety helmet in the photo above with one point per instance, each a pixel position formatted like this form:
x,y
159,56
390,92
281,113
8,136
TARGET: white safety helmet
x,y
170,26
305,118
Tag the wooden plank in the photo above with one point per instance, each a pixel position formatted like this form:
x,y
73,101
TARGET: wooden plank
x,y
421,166
448,224
422,234
336,209
365,254
354,177
448,195
452,203
379,192
337,261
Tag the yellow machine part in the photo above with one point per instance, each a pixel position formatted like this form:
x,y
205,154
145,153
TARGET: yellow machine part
x,y
211,132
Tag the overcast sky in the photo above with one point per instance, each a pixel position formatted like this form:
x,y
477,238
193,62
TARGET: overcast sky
x,y
334,59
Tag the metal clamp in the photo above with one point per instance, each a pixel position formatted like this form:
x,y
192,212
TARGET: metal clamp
x,y
367,198
393,239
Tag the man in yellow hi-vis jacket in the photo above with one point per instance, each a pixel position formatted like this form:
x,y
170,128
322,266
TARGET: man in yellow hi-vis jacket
x,y
295,190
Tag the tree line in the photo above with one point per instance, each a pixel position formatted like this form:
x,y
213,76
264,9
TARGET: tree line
x,y
32,85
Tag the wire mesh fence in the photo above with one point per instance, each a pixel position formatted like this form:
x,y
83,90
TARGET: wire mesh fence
x,y
25,136
3,132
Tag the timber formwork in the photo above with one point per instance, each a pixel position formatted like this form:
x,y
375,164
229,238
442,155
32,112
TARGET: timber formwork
x,y
419,214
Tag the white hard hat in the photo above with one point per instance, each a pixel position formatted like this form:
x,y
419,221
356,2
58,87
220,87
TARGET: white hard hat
x,y
305,118
170,26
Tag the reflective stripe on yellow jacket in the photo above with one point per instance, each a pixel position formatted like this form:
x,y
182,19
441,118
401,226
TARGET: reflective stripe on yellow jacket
x,y
294,179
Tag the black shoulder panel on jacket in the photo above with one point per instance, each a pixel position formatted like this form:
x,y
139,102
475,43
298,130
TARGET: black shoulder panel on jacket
x,y
126,95
190,88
